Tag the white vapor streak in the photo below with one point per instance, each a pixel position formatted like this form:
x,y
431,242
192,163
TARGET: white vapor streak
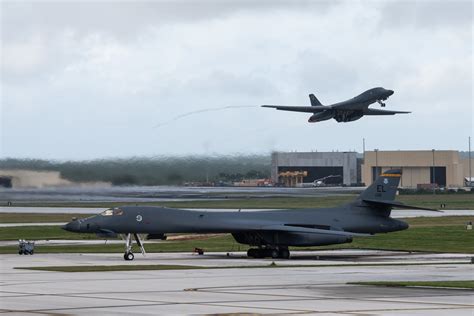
x,y
176,118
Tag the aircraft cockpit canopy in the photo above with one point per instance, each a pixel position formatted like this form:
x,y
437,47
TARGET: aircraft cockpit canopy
x,y
112,212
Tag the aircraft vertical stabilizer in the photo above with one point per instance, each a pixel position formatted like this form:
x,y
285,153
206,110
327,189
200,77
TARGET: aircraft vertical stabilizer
x,y
314,100
381,194
384,187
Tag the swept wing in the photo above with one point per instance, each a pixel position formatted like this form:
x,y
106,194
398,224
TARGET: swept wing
x,y
396,204
383,112
308,109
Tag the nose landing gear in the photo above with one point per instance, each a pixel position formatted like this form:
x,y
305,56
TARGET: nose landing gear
x,y
381,103
128,255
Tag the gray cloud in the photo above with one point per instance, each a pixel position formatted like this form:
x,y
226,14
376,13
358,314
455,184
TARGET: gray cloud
x,y
91,79
426,14
128,18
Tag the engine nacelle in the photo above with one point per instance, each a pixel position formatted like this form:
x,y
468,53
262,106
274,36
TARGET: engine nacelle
x,y
354,117
322,116
347,116
289,239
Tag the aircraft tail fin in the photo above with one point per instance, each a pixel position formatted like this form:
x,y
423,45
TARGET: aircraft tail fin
x,y
384,187
381,194
314,100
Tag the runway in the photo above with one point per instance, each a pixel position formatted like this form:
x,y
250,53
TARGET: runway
x,y
320,290
136,194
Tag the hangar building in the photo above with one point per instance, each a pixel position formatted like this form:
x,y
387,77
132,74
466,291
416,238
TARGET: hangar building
x,y
310,166
421,168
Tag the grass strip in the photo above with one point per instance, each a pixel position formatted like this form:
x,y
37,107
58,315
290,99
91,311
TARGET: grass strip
x,y
38,217
109,268
467,284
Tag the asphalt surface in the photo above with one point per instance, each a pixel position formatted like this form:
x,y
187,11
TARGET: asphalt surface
x,y
292,290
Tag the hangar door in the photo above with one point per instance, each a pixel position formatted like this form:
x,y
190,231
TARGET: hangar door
x,y
438,176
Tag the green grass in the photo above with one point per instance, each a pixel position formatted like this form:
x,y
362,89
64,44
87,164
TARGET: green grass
x,y
452,201
430,201
38,218
431,239
469,284
40,232
432,234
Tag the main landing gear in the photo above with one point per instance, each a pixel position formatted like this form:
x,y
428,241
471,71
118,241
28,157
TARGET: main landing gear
x,y
282,253
128,255
381,103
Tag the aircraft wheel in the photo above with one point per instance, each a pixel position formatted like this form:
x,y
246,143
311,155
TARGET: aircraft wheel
x,y
251,253
274,253
259,253
128,256
284,254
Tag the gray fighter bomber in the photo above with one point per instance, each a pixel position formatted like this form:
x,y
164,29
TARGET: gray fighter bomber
x,y
270,232
345,111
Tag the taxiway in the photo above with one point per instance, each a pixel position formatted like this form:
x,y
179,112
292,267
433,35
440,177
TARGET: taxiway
x,y
321,290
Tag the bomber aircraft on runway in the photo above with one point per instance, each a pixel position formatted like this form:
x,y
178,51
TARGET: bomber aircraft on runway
x,y
345,111
270,232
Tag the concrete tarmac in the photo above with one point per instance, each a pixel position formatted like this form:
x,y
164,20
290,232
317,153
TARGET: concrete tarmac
x,y
315,290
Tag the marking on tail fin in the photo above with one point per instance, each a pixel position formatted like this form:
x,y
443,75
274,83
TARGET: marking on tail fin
x,y
390,175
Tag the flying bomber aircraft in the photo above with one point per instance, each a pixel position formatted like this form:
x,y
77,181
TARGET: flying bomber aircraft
x,y
271,232
345,111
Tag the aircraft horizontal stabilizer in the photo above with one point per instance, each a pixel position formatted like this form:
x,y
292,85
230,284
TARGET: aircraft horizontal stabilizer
x,y
310,230
307,109
395,204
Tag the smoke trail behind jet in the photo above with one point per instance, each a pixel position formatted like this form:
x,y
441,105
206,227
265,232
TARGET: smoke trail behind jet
x,y
181,116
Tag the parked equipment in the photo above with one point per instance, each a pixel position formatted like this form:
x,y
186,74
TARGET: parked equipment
x,y
26,247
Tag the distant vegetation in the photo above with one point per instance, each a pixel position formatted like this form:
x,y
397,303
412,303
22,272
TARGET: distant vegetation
x,y
153,171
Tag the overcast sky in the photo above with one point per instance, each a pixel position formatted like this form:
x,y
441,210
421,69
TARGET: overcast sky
x,y
85,80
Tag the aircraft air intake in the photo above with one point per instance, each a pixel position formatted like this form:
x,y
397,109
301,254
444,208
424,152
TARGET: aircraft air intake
x,y
322,116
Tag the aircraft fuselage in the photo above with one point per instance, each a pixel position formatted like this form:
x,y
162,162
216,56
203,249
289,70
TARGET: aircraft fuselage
x,y
161,220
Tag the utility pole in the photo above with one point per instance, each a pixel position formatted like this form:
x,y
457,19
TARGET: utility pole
x,y
434,173
376,163
470,174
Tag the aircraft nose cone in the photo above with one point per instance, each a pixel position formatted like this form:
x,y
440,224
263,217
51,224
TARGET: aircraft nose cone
x,y
73,226
390,92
